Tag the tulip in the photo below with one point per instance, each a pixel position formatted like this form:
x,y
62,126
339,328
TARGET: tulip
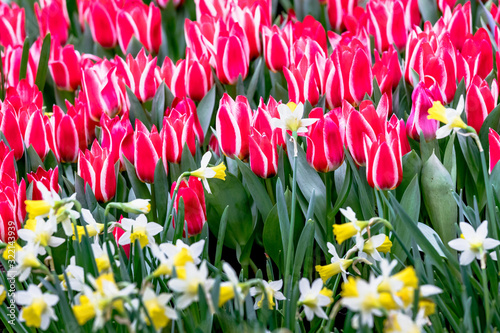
x,y
263,155
192,77
118,138
250,21
52,17
36,134
12,65
199,35
181,127
24,97
7,166
325,150
459,24
262,120
101,17
478,54
9,126
302,83
193,196
143,22
147,151
349,75
418,122
140,74
214,145
480,101
65,68
494,153
387,70
117,234
97,169
276,48
12,24
48,178
337,9
233,126
66,134
396,129
232,54
384,168
12,208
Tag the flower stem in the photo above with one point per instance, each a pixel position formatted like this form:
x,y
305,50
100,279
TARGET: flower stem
x,y
171,204
289,252
328,184
486,293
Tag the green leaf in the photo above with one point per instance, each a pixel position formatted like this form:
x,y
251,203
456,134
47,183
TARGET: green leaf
x,y
24,59
305,238
134,47
283,218
34,159
161,191
205,109
450,159
140,189
491,121
271,235
158,108
179,221
256,189
137,111
43,63
220,238
252,86
429,11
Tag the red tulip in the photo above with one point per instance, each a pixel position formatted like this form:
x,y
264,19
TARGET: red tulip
x,y
24,97
337,9
192,194
458,23
494,153
387,70
52,17
480,101
65,68
7,164
233,126
48,178
143,22
192,77
117,233
232,54
276,48
67,131
147,151
11,130
11,25
180,127
214,145
200,35
325,148
477,53
118,138
12,65
140,74
36,134
101,17
384,170
396,129
263,154
97,168
250,21
417,122
12,208
303,83
262,120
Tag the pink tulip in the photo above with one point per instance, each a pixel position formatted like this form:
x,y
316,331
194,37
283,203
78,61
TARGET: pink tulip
x,y
276,48
52,17
65,68
12,208
263,154
480,101
494,152
48,178
7,164
418,123
192,77
147,151
118,138
384,170
11,25
193,196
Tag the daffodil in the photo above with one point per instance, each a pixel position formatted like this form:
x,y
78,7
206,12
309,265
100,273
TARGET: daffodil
x,y
93,228
101,256
188,287
9,253
398,322
337,265
205,172
364,299
312,299
230,289
368,249
291,118
270,292
139,229
157,309
350,229
3,293
475,243
37,308
43,235
448,116
26,259
75,274
177,256
136,206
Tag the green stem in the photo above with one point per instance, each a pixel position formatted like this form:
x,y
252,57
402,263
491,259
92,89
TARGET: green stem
x,y
171,204
153,203
486,293
269,188
328,183
289,252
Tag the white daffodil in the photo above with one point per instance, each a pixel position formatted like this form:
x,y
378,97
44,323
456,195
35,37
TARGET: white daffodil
x,y
291,118
101,256
474,243
37,308
26,259
53,206
93,228
42,236
231,288
362,297
337,265
157,309
312,299
368,248
177,256
448,116
76,276
271,292
136,206
398,322
188,287
205,172
139,229
350,229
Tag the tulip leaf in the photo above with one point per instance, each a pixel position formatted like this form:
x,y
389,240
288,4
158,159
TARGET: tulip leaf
x,y
305,238
134,47
50,161
491,121
309,180
137,111
34,159
450,159
187,160
433,238
252,86
140,189
271,235
161,191
220,238
256,189
429,11
43,63
158,107
179,220
284,220
229,192
411,167
205,110
24,59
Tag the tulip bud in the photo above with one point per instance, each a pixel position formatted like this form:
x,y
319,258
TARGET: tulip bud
x,y
263,155
478,103
417,122
214,145
193,196
7,166
276,48
11,25
65,68
396,129
52,17
384,168
337,9
11,59
302,84
325,150
9,126
12,208
147,151
192,77
494,153
118,138
36,134
48,178
101,17
66,135
97,169
233,126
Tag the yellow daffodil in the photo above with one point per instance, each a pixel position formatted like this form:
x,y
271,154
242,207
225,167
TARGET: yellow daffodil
x,y
205,172
37,308
448,116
